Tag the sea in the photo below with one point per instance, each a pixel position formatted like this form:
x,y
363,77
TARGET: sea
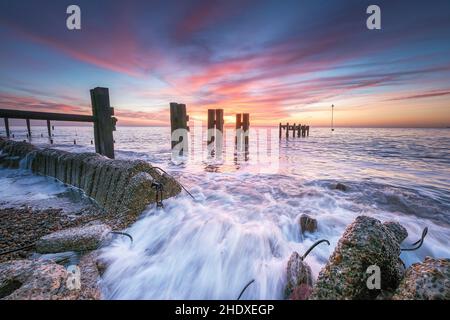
x,y
242,221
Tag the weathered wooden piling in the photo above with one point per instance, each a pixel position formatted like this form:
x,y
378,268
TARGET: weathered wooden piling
x,y
219,120
215,132
242,132
104,124
28,128
179,124
211,133
8,133
238,138
49,129
245,128
219,132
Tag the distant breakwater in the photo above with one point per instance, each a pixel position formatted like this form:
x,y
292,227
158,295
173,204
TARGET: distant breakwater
x,y
123,188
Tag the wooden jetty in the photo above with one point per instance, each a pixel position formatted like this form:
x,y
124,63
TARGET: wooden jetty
x,y
299,130
102,117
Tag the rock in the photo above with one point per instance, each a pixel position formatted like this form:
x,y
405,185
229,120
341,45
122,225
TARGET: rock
x,y
307,224
299,278
398,231
74,239
29,279
101,265
301,292
365,242
46,280
341,187
429,280
90,289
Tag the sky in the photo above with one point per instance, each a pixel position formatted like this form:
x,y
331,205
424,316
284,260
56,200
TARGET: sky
x,y
280,61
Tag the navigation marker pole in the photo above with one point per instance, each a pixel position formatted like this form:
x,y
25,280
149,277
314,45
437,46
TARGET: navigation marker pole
x,y
332,122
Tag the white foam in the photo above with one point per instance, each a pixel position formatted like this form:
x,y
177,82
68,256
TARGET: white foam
x,y
237,231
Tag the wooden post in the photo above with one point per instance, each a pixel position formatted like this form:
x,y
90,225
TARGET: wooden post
x,y
49,129
279,131
211,123
104,123
238,138
219,119
28,128
8,133
178,120
307,131
219,128
173,121
287,130
245,129
298,130
293,131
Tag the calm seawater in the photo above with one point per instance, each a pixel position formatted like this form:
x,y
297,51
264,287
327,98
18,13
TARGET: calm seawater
x,y
243,223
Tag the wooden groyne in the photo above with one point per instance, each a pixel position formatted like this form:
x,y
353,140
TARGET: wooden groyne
x,y
123,188
297,130
102,118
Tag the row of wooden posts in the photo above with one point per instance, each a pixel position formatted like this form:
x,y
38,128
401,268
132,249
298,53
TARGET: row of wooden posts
x,y
215,123
9,133
105,124
299,130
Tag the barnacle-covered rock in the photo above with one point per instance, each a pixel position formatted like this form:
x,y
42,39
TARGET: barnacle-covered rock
x,y
428,280
32,279
366,242
299,279
83,238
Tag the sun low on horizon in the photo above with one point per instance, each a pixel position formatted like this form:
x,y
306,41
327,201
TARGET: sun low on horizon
x,y
280,62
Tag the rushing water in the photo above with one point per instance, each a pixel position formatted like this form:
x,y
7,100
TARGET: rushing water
x,y
243,223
